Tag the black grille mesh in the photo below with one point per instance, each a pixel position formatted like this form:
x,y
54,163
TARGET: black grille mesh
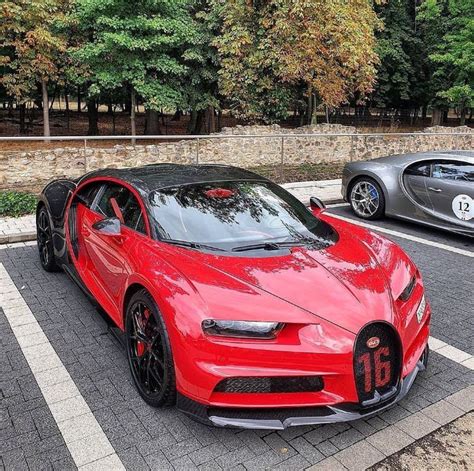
x,y
378,368
285,384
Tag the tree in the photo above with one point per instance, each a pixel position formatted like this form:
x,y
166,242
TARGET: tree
x,y
454,54
271,50
399,47
34,46
139,45
200,83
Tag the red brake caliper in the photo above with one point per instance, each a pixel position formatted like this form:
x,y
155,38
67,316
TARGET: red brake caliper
x,y
141,345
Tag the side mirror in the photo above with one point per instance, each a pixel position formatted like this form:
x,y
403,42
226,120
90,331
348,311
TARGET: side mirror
x,y
108,227
316,205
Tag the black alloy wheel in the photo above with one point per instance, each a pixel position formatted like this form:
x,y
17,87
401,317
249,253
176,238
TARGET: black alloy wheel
x,y
44,239
149,351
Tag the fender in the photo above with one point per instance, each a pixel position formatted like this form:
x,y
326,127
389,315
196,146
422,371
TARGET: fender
x,y
388,187
55,197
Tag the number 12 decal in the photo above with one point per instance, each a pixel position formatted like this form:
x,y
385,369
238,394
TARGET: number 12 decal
x,y
382,368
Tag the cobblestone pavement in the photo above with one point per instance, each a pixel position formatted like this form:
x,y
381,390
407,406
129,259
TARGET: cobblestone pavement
x,y
147,438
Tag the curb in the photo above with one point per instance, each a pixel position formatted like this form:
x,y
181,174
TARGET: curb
x,y
18,237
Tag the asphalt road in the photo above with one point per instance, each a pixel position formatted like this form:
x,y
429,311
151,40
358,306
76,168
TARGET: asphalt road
x,y
147,438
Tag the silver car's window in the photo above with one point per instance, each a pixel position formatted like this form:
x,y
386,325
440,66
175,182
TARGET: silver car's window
x,y
449,170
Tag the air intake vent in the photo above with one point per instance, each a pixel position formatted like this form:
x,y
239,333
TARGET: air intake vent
x,y
377,362
284,384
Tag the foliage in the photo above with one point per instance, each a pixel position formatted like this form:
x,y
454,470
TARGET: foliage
x,y
139,44
31,46
400,49
454,54
270,49
14,203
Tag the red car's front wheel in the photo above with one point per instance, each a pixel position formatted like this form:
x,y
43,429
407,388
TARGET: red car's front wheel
x,y
149,351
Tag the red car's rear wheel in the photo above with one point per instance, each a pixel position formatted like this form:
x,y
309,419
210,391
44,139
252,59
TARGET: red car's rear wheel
x,y
149,351
44,238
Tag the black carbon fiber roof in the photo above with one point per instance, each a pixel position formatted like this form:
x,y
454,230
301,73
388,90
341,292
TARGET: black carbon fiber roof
x,y
157,176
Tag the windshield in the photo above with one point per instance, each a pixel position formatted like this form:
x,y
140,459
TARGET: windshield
x,y
232,215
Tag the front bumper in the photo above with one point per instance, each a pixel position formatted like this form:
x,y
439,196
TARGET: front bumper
x,y
281,418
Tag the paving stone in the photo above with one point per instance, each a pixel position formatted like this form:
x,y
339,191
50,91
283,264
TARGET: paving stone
x,y
346,438
328,464
442,412
417,425
308,451
359,456
390,440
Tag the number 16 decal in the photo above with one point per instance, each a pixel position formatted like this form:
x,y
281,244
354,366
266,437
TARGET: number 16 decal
x,y
382,368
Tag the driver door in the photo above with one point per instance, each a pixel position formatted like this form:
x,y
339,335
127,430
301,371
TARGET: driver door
x,y
108,255
451,190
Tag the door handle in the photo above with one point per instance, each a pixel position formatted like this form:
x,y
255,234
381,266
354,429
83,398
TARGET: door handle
x,y
436,190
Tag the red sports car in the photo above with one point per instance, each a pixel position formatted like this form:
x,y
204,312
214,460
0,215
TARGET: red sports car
x,y
238,303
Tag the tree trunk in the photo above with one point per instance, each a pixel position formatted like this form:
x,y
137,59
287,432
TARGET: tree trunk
x,y
309,108
199,122
44,93
152,126
436,117
133,104
22,118
314,116
326,109
113,122
66,99
424,111
462,116
192,122
93,117
211,119
79,96
177,115
219,120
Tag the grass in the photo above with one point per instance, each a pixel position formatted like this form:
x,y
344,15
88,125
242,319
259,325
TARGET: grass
x,y
15,203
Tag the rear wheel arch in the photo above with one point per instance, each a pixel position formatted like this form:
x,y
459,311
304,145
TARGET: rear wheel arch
x,y
368,176
131,290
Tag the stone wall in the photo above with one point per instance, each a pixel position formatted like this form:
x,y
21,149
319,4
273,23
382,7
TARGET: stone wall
x,y
31,170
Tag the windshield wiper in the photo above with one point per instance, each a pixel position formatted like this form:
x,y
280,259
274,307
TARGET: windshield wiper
x,y
262,246
192,245
276,245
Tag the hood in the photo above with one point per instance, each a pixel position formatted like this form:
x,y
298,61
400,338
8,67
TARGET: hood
x,y
344,284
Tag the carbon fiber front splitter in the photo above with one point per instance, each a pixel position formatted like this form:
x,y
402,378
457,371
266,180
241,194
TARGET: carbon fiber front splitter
x,y
279,419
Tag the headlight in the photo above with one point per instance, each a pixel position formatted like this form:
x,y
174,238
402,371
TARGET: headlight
x,y
421,309
406,293
241,329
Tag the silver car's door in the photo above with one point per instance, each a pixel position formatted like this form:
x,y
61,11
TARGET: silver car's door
x,y
414,181
451,191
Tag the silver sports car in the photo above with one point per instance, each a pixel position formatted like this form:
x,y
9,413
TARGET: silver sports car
x,y
433,188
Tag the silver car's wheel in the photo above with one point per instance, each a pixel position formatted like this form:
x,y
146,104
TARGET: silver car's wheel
x,y
367,199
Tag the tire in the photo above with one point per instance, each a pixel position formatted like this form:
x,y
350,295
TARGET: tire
x,y
151,359
45,240
367,199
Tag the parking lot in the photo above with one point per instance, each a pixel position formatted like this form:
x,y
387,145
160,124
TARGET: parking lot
x,y
140,437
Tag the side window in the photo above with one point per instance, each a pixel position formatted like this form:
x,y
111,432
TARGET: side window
x,y
87,194
127,203
451,170
421,169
